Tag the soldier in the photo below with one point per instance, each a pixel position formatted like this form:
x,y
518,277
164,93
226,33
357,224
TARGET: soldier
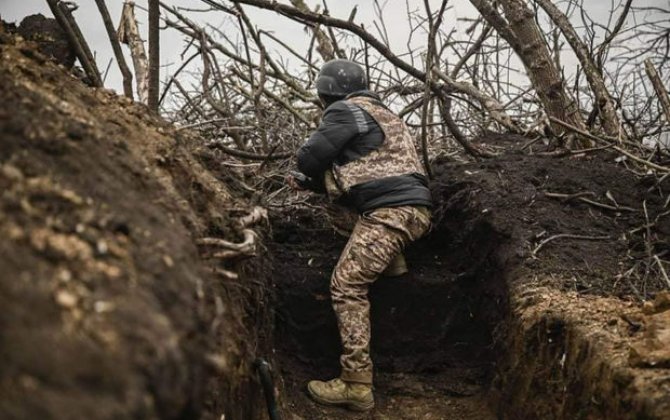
x,y
363,156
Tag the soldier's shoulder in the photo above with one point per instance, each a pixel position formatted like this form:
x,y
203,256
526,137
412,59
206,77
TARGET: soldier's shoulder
x,y
340,110
340,106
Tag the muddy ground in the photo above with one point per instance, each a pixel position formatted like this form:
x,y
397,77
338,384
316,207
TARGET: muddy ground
x,y
112,310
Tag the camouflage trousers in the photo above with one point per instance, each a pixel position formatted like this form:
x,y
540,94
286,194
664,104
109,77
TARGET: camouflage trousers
x,y
376,239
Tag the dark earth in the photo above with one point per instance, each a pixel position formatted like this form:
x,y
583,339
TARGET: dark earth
x,y
112,310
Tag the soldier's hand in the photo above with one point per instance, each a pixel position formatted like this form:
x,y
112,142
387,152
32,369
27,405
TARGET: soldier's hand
x,y
293,183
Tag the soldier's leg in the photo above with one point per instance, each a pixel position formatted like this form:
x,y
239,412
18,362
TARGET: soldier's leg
x,y
369,250
374,242
377,238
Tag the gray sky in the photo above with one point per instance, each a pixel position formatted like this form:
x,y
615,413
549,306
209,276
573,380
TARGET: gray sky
x,y
172,44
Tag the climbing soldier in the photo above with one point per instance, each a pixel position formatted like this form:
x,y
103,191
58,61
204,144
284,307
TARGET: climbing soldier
x,y
363,156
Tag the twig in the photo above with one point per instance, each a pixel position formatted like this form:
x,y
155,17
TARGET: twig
x,y
325,47
580,196
271,95
658,182
531,142
476,46
566,235
166,89
660,265
297,55
430,56
455,131
109,65
195,31
215,121
568,152
488,102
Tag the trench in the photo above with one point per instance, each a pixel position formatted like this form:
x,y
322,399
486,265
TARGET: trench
x,y
435,331
440,339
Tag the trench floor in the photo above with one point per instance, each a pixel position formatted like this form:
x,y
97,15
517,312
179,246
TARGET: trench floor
x,y
451,394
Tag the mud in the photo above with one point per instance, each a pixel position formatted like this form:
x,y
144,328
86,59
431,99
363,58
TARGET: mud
x,y
569,356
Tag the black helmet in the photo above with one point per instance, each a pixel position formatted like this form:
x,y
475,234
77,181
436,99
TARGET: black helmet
x,y
340,78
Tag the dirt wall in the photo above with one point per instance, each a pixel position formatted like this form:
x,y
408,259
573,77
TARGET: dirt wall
x,y
574,321
569,357
108,308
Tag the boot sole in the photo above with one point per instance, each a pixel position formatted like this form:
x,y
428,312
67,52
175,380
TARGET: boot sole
x,y
351,405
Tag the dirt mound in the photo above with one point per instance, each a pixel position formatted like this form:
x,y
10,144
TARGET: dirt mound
x,y
108,309
50,39
590,214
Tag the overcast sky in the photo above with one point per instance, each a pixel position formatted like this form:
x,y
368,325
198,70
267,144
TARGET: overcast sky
x,y
395,15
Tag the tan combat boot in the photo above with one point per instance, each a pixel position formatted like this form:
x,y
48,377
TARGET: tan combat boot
x,y
397,267
353,396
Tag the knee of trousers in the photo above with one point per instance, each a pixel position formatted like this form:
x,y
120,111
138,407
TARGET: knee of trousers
x,y
351,282
343,289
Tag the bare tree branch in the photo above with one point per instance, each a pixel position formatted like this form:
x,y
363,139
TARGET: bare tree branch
x,y
154,55
116,47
